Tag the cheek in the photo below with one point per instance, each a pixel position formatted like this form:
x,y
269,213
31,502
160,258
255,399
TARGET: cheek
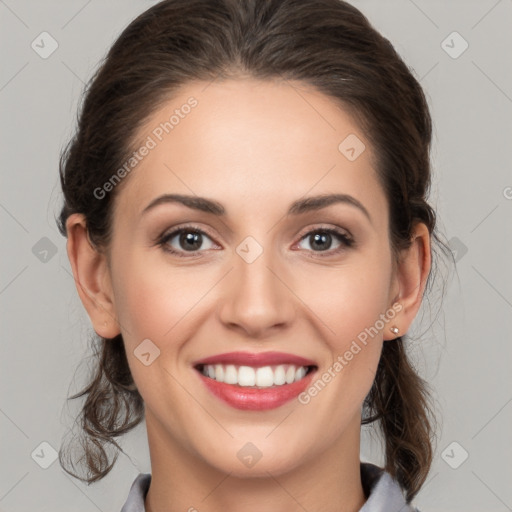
x,y
150,302
152,305
347,301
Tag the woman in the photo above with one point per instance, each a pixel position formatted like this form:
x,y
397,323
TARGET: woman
x,y
219,146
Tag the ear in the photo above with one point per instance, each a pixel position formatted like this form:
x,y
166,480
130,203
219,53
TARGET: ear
x,y
92,277
410,280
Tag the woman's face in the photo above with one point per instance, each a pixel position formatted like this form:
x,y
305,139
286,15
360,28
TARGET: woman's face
x,y
267,275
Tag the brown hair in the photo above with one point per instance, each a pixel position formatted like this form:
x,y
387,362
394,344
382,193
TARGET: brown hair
x,y
328,44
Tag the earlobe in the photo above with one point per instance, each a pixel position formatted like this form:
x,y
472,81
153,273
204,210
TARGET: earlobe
x,y
412,273
92,277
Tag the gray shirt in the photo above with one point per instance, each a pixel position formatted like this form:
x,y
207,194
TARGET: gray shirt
x,y
383,493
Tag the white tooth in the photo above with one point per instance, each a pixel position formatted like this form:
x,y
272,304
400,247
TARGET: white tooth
x,y
300,373
246,376
279,375
219,373
290,374
264,377
211,371
230,375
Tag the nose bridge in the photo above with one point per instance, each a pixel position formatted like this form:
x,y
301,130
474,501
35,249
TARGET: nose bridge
x,y
257,298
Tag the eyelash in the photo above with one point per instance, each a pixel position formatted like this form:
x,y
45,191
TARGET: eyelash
x,y
345,240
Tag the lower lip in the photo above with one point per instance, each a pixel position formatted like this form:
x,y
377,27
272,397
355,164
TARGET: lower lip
x,y
256,399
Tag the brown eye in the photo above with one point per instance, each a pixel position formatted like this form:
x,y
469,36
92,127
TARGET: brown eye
x,y
321,240
186,239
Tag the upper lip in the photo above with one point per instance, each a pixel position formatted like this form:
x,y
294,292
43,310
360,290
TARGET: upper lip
x,y
255,359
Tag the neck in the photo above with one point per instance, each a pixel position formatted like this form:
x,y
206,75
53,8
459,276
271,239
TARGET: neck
x,y
180,481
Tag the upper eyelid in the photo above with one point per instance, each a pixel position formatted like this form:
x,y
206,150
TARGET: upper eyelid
x,y
340,230
171,233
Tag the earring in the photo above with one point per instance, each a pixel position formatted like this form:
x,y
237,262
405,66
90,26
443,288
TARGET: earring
x,y
394,329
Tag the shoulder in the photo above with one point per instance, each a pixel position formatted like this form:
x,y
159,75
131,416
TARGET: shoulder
x,y
137,494
383,493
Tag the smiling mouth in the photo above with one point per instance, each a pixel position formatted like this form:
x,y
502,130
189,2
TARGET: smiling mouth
x,y
255,377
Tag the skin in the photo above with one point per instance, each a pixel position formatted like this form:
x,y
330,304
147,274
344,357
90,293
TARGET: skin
x,y
255,147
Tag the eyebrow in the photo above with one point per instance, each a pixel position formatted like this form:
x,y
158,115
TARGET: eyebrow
x,y
298,207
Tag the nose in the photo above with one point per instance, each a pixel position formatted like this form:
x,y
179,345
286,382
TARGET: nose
x,y
257,298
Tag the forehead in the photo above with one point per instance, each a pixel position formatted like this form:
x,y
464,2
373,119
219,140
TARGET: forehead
x,y
250,143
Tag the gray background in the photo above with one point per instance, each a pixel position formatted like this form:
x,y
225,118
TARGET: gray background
x,y
466,352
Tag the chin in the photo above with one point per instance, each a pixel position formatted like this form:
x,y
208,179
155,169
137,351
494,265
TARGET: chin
x,y
255,459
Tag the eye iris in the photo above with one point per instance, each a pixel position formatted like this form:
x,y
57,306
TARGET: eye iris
x,y
321,238
190,241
